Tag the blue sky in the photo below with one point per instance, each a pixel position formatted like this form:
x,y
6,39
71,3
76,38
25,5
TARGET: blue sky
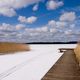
x,y
39,20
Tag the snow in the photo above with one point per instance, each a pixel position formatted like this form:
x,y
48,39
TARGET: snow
x,y
32,65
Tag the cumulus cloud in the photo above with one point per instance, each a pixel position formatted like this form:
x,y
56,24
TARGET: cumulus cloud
x,y
22,33
68,16
53,30
40,34
68,32
61,24
22,19
7,31
7,11
52,23
35,7
58,24
52,4
37,30
24,3
42,29
10,6
72,26
20,26
29,20
6,27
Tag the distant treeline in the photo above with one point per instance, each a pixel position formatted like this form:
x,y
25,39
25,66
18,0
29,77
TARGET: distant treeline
x,y
73,42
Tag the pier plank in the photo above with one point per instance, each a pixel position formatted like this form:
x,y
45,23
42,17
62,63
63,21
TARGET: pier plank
x,y
66,68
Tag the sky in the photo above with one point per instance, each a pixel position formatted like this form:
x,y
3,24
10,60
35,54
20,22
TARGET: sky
x,y
39,20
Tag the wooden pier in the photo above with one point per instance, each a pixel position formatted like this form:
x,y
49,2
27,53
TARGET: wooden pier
x,y
66,68
64,49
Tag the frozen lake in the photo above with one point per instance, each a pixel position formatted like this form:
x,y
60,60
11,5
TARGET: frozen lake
x,y
32,65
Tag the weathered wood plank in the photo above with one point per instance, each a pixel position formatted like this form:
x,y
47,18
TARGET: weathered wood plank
x,y
64,49
66,68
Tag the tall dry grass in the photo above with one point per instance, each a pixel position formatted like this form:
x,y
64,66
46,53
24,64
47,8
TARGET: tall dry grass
x,y
7,47
77,52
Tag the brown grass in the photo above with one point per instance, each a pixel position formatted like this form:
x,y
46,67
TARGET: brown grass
x,y
6,47
77,52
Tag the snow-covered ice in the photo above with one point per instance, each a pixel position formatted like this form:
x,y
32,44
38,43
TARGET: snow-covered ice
x,y
32,65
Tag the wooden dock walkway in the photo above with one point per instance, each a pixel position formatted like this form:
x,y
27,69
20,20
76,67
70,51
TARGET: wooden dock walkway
x,y
66,68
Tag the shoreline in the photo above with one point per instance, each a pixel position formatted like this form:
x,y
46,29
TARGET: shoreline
x,y
52,43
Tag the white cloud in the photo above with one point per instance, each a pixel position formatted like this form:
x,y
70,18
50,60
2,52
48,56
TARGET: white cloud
x,y
42,29
57,24
35,7
37,30
68,32
68,16
9,6
41,34
72,25
23,3
7,11
52,4
20,26
29,20
9,27
53,30
61,24
52,23
5,26
22,19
